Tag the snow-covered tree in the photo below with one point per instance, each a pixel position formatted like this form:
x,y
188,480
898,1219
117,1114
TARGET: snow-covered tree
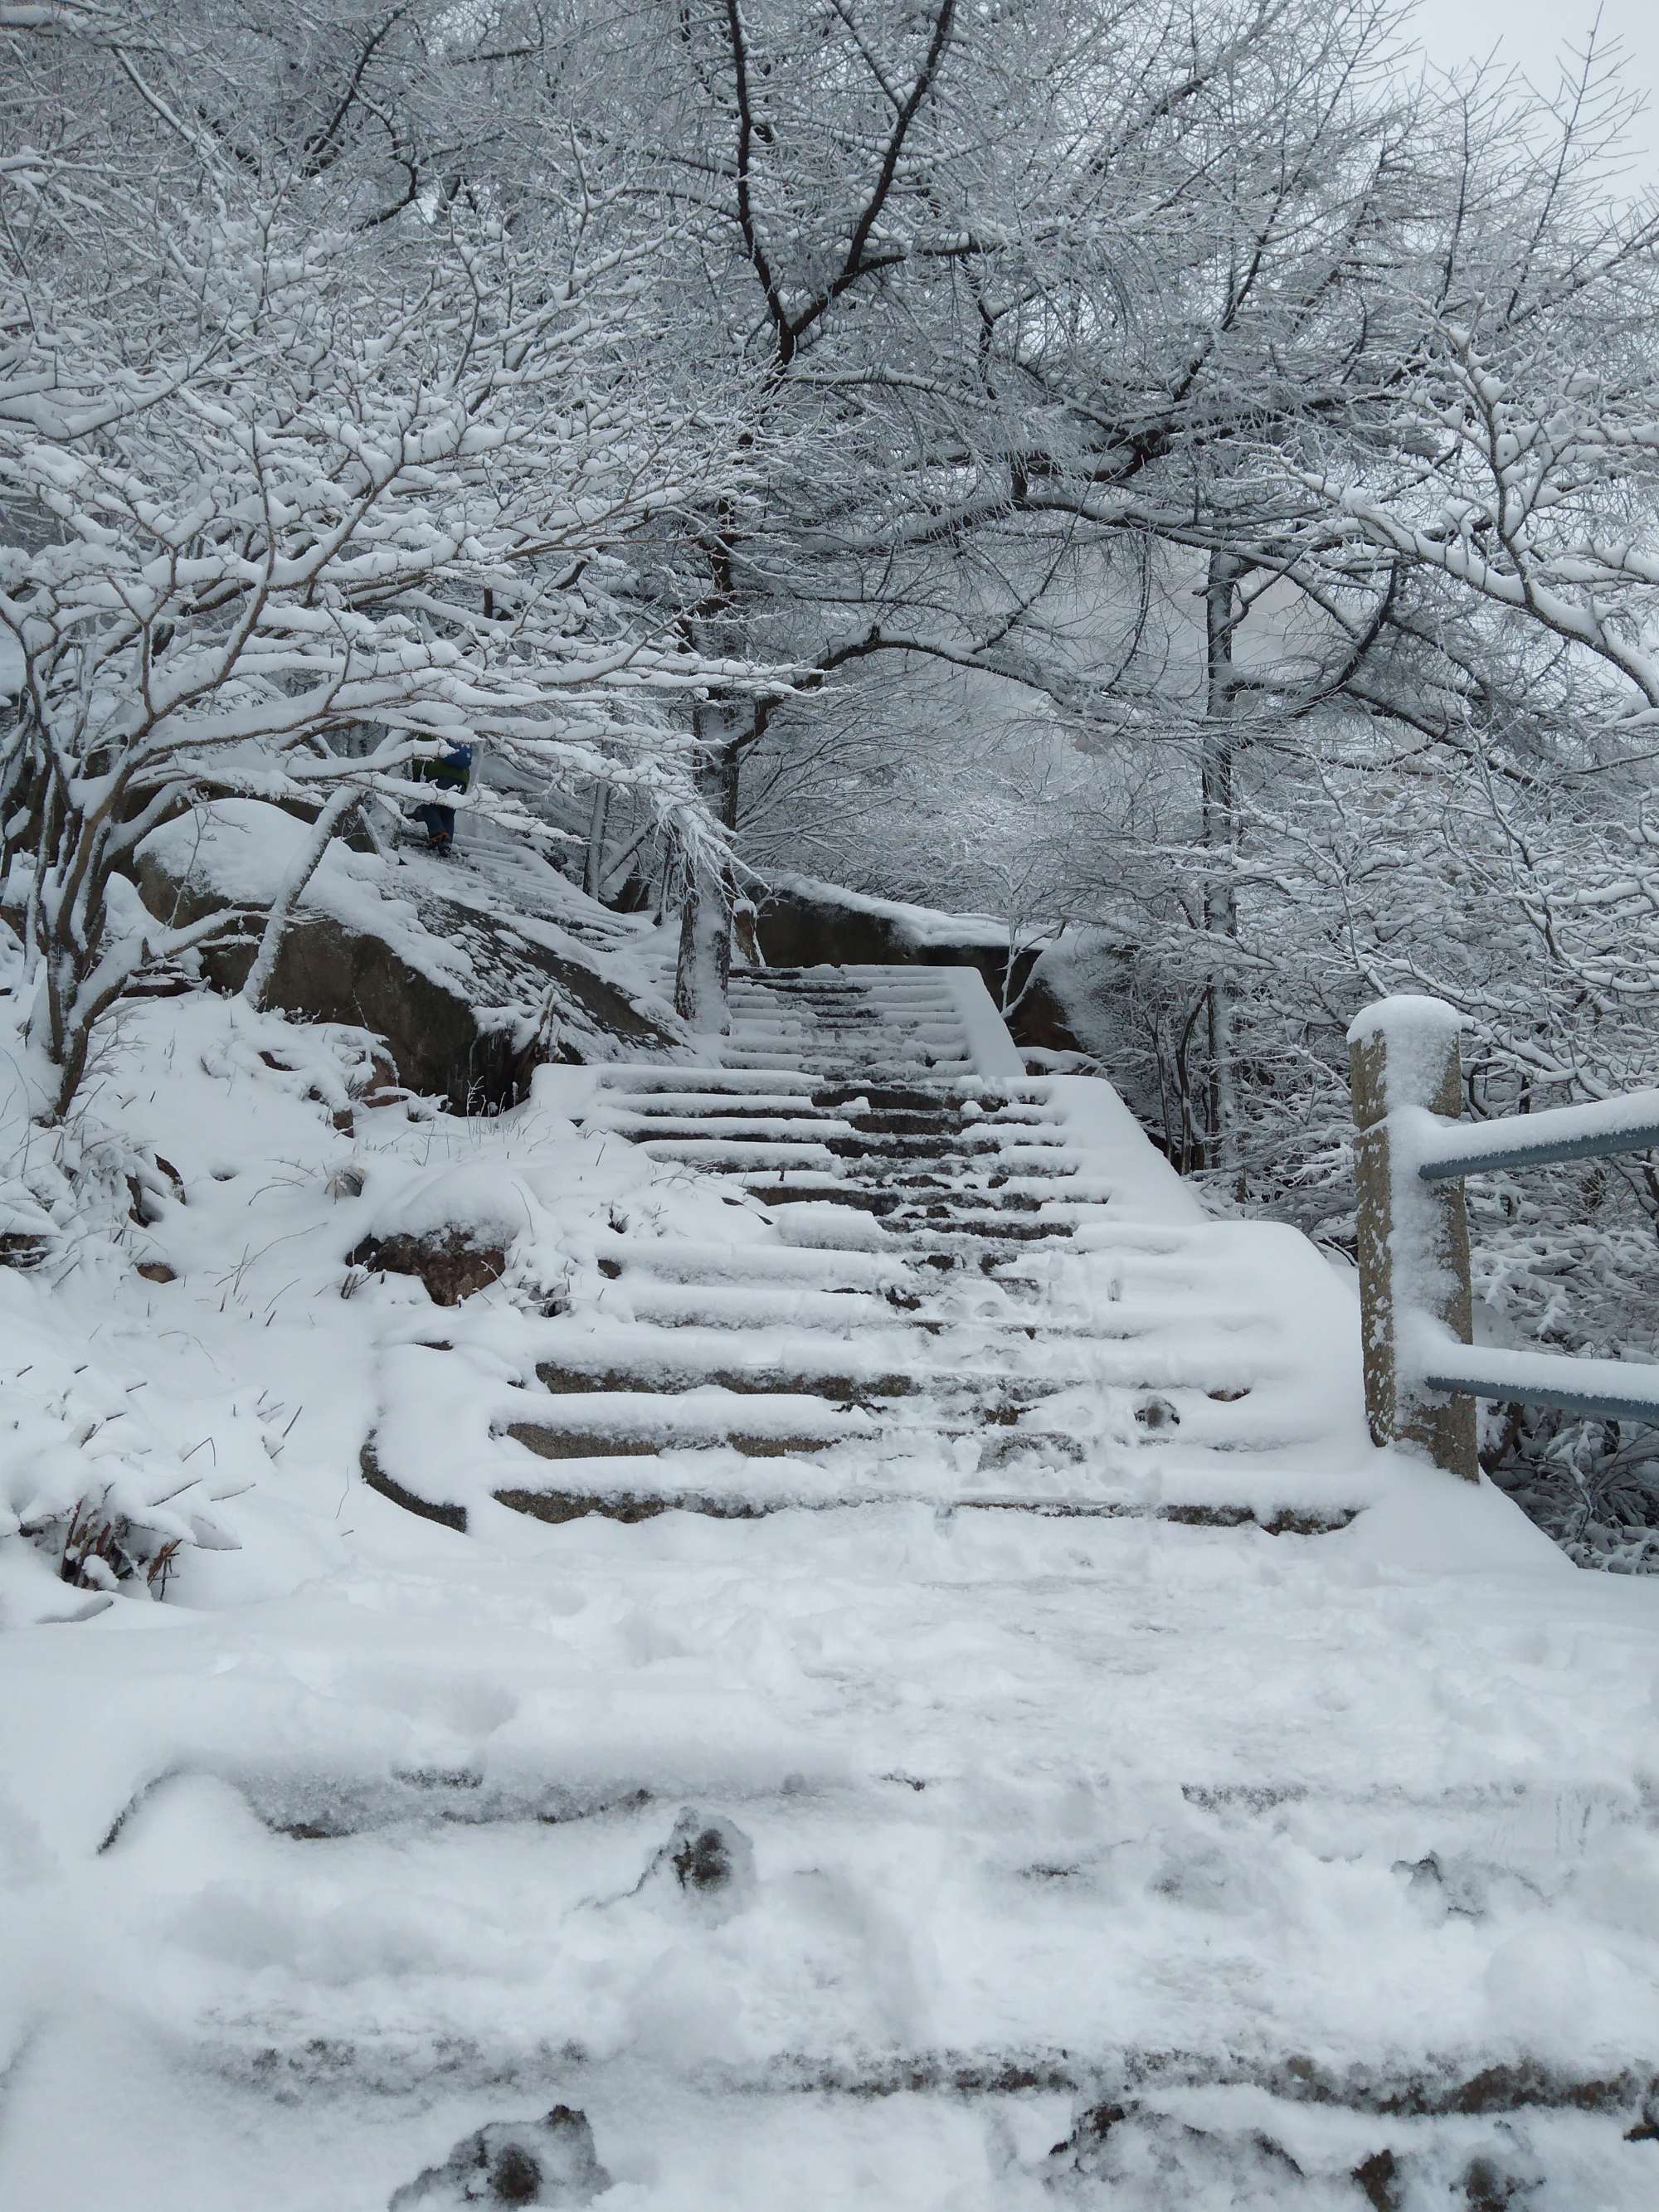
x,y
274,485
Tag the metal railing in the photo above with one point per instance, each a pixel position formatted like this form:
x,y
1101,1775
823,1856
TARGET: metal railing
x,y
1422,1374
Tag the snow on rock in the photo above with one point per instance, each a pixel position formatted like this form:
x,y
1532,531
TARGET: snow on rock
x,y
244,850
707,1863
921,929
546,2161
1098,1123
473,970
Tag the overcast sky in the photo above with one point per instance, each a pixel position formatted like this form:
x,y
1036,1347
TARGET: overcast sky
x,y
1531,34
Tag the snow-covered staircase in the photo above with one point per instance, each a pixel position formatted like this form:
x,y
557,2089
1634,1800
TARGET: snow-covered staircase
x,y
980,1288
1049,1764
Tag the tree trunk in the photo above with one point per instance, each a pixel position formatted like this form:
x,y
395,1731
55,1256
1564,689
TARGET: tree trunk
x,y
1220,808
702,973
323,830
593,866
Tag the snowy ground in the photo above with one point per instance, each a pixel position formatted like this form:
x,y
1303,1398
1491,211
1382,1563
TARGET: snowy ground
x,y
350,1846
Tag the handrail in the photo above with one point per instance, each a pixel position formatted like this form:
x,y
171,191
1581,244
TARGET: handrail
x,y
1590,1405
1411,1157
1601,1130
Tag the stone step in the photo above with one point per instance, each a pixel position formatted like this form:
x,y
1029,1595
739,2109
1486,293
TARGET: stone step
x,y
633,1076
812,1062
834,1313
639,1361
865,1046
916,1097
811,1253
928,983
717,1153
899,1049
944,1104
851,996
716,1105
872,1389
848,1006
822,1030
865,972
632,1491
892,1210
1006,1192
972,1141
897,1204
1546,1819
747,1143
549,1439
675,1304
814,1267
639,1422
908,1121
808,1130
803,1008
980,1230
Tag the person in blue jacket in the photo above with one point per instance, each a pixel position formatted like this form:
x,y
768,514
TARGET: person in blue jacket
x,y
451,770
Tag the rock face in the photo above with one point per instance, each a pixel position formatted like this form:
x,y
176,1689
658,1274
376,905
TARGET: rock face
x,y
546,2161
804,924
468,985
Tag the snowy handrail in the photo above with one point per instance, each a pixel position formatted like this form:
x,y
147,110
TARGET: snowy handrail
x,y
1598,1131
1422,1373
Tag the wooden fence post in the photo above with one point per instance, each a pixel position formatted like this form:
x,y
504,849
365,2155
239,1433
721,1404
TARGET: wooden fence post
x,y
1412,1236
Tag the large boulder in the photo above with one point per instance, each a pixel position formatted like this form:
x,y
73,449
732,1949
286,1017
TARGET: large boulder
x,y
803,923
473,973
1060,996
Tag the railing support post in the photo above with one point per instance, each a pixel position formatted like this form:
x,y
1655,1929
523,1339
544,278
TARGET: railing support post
x,y
1412,1236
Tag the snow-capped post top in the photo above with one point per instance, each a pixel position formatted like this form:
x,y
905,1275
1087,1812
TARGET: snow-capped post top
x,y
1404,1053
1406,1014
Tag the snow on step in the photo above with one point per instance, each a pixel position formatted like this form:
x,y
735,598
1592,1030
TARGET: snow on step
x,y
1052,1854
886,1353
722,1151
712,1079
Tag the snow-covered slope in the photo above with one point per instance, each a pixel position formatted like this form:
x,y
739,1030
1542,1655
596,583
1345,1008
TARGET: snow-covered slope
x,y
839,1843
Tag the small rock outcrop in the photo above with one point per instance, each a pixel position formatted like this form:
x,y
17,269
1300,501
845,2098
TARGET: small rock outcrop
x,y
710,1862
551,2160
453,1266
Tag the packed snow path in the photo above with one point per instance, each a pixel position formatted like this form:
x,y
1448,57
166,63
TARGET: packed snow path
x,y
1232,1817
